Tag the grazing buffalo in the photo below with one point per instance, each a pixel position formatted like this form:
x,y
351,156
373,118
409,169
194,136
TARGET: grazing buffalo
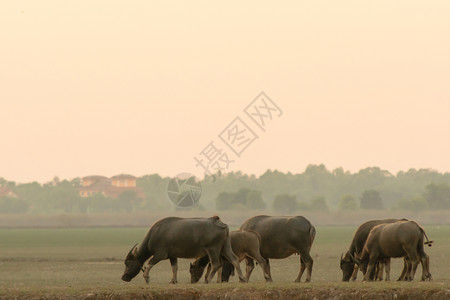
x,y
173,238
245,244
348,262
400,239
280,238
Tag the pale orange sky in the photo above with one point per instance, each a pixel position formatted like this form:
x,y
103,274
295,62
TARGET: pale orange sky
x,y
109,87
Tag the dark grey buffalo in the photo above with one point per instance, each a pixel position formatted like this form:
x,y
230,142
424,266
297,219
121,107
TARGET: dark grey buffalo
x,y
400,239
245,244
173,238
348,261
280,238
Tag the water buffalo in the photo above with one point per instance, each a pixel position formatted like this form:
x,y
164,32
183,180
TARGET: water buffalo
x,y
245,244
172,238
400,239
348,262
280,238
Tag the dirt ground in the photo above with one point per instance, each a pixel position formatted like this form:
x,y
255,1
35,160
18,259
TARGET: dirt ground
x,y
253,293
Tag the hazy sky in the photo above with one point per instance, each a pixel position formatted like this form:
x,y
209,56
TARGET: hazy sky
x,y
109,87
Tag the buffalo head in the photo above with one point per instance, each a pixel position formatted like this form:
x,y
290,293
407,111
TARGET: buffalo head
x,y
132,265
227,271
348,265
196,271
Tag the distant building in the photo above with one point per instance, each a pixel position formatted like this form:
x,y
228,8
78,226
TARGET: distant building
x,y
6,192
109,187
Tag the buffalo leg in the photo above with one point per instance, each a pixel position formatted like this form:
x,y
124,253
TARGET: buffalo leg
x,y
262,263
219,275
372,262
387,263
425,261
355,272
174,265
380,270
414,265
151,263
302,269
215,263
249,266
306,261
268,269
404,271
414,261
408,270
208,270
428,268
231,257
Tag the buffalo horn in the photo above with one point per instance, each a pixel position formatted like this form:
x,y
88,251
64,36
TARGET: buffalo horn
x,y
134,251
354,259
131,250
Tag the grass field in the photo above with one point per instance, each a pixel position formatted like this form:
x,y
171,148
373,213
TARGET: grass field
x,y
86,262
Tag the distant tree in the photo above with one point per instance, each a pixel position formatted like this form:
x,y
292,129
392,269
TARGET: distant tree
x,y
6,183
155,188
255,201
437,195
243,199
240,197
35,195
318,203
126,201
415,204
99,203
285,203
12,205
347,202
371,199
224,201
63,196
303,206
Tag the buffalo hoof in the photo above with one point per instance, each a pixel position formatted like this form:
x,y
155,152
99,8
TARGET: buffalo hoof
x,y
173,282
269,280
427,277
241,280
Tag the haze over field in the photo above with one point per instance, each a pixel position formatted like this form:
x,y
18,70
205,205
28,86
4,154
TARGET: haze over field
x,y
110,87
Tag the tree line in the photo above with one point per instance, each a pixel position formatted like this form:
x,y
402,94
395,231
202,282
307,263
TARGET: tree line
x,y
317,188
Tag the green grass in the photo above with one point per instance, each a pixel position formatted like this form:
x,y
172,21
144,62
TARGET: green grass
x,y
74,261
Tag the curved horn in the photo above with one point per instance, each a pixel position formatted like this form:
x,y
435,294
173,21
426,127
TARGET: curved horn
x,y
135,251
131,250
354,259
